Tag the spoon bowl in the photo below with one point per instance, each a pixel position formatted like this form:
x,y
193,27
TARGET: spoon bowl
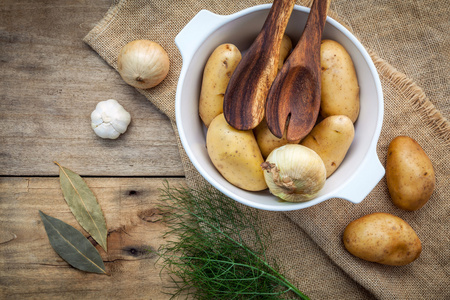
x,y
300,110
293,101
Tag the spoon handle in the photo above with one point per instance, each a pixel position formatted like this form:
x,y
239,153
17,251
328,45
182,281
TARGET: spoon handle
x,y
245,96
307,50
293,101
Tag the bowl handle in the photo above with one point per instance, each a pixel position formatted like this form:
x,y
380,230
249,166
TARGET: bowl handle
x,y
196,31
363,183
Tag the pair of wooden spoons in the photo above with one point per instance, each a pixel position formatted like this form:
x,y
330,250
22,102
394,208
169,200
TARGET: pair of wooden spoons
x,y
290,100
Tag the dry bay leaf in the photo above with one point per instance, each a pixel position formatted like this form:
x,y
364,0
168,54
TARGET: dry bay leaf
x,y
84,205
72,245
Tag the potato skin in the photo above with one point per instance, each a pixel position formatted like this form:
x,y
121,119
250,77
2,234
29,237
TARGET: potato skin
x,y
267,142
236,155
340,89
409,174
285,49
382,238
331,139
216,75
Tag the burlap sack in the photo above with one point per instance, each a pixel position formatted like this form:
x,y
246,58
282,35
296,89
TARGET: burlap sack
x,y
413,37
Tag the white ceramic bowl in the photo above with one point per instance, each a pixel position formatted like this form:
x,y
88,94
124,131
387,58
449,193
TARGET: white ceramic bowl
x,y
361,169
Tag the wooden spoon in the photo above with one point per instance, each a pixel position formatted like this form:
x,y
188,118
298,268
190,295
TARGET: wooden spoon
x,y
245,97
293,101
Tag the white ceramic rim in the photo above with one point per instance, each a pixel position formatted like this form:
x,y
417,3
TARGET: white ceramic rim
x,y
337,193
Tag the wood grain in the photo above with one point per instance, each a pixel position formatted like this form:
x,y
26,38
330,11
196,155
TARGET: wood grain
x,y
293,101
30,268
245,97
50,82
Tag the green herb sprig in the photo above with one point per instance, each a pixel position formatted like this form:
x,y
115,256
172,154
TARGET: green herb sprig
x,y
216,249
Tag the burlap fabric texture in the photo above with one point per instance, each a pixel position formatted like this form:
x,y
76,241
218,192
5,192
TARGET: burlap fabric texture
x,y
408,41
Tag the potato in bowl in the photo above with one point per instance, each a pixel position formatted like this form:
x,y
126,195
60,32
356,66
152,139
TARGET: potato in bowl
x,y
352,180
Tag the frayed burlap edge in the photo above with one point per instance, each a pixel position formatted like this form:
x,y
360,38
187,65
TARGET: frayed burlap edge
x,y
416,96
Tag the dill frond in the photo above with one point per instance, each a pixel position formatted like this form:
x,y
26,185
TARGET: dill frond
x,y
216,248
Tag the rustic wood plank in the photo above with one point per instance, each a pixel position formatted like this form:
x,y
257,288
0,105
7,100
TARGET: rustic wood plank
x,y
30,268
50,82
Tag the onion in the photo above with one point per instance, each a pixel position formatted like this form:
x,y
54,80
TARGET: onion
x,y
294,173
143,64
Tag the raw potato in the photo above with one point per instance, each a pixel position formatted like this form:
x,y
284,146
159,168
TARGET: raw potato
x,y
217,73
331,139
340,89
409,174
382,238
236,155
266,140
285,49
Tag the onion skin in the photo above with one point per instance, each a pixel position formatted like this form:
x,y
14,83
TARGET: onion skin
x,y
143,64
294,173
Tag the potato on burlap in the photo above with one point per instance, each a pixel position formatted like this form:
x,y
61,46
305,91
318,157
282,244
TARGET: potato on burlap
x,y
409,174
382,238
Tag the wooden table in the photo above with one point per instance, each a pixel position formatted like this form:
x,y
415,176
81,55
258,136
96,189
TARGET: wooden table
x,y
50,82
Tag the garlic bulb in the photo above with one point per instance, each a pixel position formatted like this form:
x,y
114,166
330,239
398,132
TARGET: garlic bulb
x,y
294,173
110,119
143,64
